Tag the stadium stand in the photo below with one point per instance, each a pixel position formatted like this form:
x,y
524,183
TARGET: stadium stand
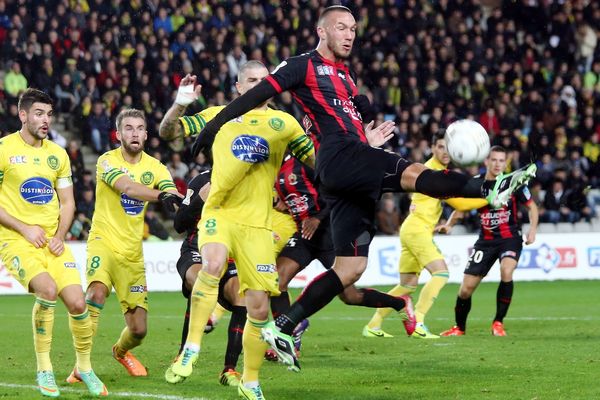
x,y
531,82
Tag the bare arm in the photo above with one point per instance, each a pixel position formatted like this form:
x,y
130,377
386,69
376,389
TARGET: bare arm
x,y
452,220
135,190
170,127
34,234
533,222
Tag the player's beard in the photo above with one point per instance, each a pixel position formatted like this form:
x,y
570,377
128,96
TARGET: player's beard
x,y
37,132
131,150
337,48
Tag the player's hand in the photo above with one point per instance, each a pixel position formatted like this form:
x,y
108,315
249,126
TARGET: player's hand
x,y
35,235
445,229
309,227
281,206
378,136
187,93
170,201
364,107
56,246
530,238
204,140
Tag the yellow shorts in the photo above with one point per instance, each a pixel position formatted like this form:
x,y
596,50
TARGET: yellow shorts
x,y
127,276
24,262
418,250
250,247
283,229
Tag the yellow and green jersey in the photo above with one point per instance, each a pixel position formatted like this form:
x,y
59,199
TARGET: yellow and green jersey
x,y
425,211
119,219
247,154
28,179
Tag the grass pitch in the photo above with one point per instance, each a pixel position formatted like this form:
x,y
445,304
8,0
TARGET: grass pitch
x,y
552,352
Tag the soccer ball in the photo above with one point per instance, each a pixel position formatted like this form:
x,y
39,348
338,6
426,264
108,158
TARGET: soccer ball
x,y
467,141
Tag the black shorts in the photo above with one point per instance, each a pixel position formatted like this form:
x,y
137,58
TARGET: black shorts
x,y
486,252
189,256
352,182
304,251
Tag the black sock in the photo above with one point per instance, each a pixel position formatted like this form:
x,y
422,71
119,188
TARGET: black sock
x,y
186,324
234,336
317,295
280,304
503,298
461,311
376,299
445,184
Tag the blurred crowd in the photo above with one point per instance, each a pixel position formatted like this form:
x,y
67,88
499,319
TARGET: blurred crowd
x,y
527,70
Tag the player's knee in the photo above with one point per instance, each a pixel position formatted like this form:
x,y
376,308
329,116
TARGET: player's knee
x,y
213,266
48,292
97,293
139,330
258,311
76,306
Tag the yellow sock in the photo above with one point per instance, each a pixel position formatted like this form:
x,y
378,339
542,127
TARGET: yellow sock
x,y
204,300
81,329
218,313
381,313
429,293
94,310
254,349
42,318
126,342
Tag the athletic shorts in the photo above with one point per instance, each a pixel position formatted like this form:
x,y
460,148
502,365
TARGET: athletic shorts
x,y
252,249
486,252
189,256
128,277
24,262
284,227
319,247
351,183
418,250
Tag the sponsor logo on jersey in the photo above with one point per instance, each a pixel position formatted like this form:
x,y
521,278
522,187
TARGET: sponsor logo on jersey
x,y
131,206
325,70
307,123
147,178
53,162
18,159
269,268
348,107
276,124
137,289
37,190
296,204
251,149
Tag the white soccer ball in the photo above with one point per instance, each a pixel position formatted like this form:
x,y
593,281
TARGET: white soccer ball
x,y
467,141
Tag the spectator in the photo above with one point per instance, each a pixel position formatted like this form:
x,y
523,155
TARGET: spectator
x,y
99,128
14,81
178,169
87,203
556,207
388,218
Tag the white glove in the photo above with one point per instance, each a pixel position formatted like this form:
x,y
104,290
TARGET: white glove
x,y
185,95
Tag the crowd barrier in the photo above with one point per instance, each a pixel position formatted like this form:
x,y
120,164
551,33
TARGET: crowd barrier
x,y
551,257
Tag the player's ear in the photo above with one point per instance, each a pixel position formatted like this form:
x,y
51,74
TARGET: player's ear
x,y
23,116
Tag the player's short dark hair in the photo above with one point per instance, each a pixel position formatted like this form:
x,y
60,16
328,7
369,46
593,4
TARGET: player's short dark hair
x,y
439,135
329,10
30,96
129,112
248,65
498,149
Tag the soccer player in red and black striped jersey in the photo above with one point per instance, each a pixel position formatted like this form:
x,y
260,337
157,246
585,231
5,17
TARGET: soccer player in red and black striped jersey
x,y
500,238
296,188
351,169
